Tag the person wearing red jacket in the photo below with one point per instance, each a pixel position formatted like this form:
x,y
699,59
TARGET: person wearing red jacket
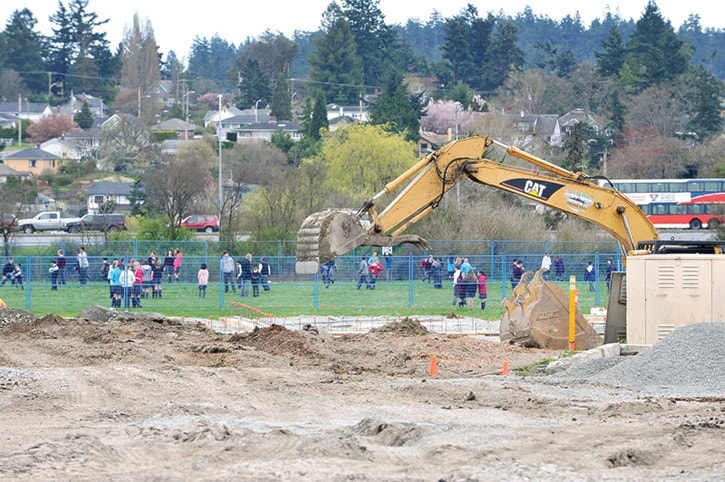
x,y
374,269
482,290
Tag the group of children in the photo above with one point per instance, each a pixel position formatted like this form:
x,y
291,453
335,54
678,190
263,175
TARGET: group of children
x,y
13,272
467,281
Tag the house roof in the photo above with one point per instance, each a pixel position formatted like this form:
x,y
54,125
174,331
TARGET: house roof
x,y
174,125
32,153
579,115
111,188
26,107
6,171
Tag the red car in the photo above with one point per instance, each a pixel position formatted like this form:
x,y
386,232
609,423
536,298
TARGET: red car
x,y
207,223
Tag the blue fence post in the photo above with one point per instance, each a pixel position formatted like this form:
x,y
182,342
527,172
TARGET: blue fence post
x,y
316,291
503,278
27,274
411,281
221,284
596,283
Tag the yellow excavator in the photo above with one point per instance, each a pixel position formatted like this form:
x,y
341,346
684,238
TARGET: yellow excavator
x,y
536,314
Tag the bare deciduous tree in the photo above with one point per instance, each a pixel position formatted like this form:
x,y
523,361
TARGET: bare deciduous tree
x,y
173,186
15,194
127,145
139,56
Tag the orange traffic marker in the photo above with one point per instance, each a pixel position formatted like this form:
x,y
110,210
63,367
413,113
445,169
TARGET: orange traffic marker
x,y
505,370
433,370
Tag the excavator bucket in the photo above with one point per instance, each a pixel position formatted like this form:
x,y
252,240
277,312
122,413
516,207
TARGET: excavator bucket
x,y
324,235
537,315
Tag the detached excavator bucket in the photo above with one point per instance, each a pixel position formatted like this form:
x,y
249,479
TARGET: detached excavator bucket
x,y
537,315
324,235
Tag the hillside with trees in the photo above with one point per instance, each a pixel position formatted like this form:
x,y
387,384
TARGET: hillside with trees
x,y
656,92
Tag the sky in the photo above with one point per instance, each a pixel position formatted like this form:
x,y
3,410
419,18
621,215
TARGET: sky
x,y
176,24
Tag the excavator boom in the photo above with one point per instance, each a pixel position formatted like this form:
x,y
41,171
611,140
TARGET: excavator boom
x,y
537,313
335,232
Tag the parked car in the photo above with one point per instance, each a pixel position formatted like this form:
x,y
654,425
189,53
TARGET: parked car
x,y
98,222
207,223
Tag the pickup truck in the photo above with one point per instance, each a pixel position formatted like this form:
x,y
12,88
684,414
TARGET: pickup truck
x,y
97,222
46,221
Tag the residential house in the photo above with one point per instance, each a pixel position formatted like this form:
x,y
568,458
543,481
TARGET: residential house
x,y
576,116
165,91
34,160
169,147
211,118
542,128
63,148
430,141
85,144
101,193
7,172
184,130
95,105
263,130
359,113
32,111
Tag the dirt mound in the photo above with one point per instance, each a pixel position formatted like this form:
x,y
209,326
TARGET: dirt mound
x,y
404,327
13,315
278,340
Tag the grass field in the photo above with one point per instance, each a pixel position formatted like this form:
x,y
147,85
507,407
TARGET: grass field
x,y
397,298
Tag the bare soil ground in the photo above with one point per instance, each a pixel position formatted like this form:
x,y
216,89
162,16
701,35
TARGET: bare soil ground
x,y
156,399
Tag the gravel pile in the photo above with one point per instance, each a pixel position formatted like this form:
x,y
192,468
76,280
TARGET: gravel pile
x,y
687,363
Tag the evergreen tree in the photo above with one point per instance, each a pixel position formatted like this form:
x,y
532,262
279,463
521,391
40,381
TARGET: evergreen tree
x,y
705,104
78,48
618,111
334,63
60,45
654,53
375,42
84,118
211,59
254,86
172,69
575,147
397,110
611,56
457,45
21,48
503,57
318,121
281,104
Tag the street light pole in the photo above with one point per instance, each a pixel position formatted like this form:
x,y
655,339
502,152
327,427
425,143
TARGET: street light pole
x,y
219,135
186,113
256,104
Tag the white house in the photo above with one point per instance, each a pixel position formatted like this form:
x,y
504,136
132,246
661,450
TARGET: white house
x,y
103,192
63,148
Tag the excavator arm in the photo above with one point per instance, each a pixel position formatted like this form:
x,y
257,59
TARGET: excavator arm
x,y
335,232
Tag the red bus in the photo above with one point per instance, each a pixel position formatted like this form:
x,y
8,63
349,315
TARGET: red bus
x,y
677,203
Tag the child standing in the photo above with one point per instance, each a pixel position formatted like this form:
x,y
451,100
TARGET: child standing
x,y
17,277
203,277
255,281
482,290
53,271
